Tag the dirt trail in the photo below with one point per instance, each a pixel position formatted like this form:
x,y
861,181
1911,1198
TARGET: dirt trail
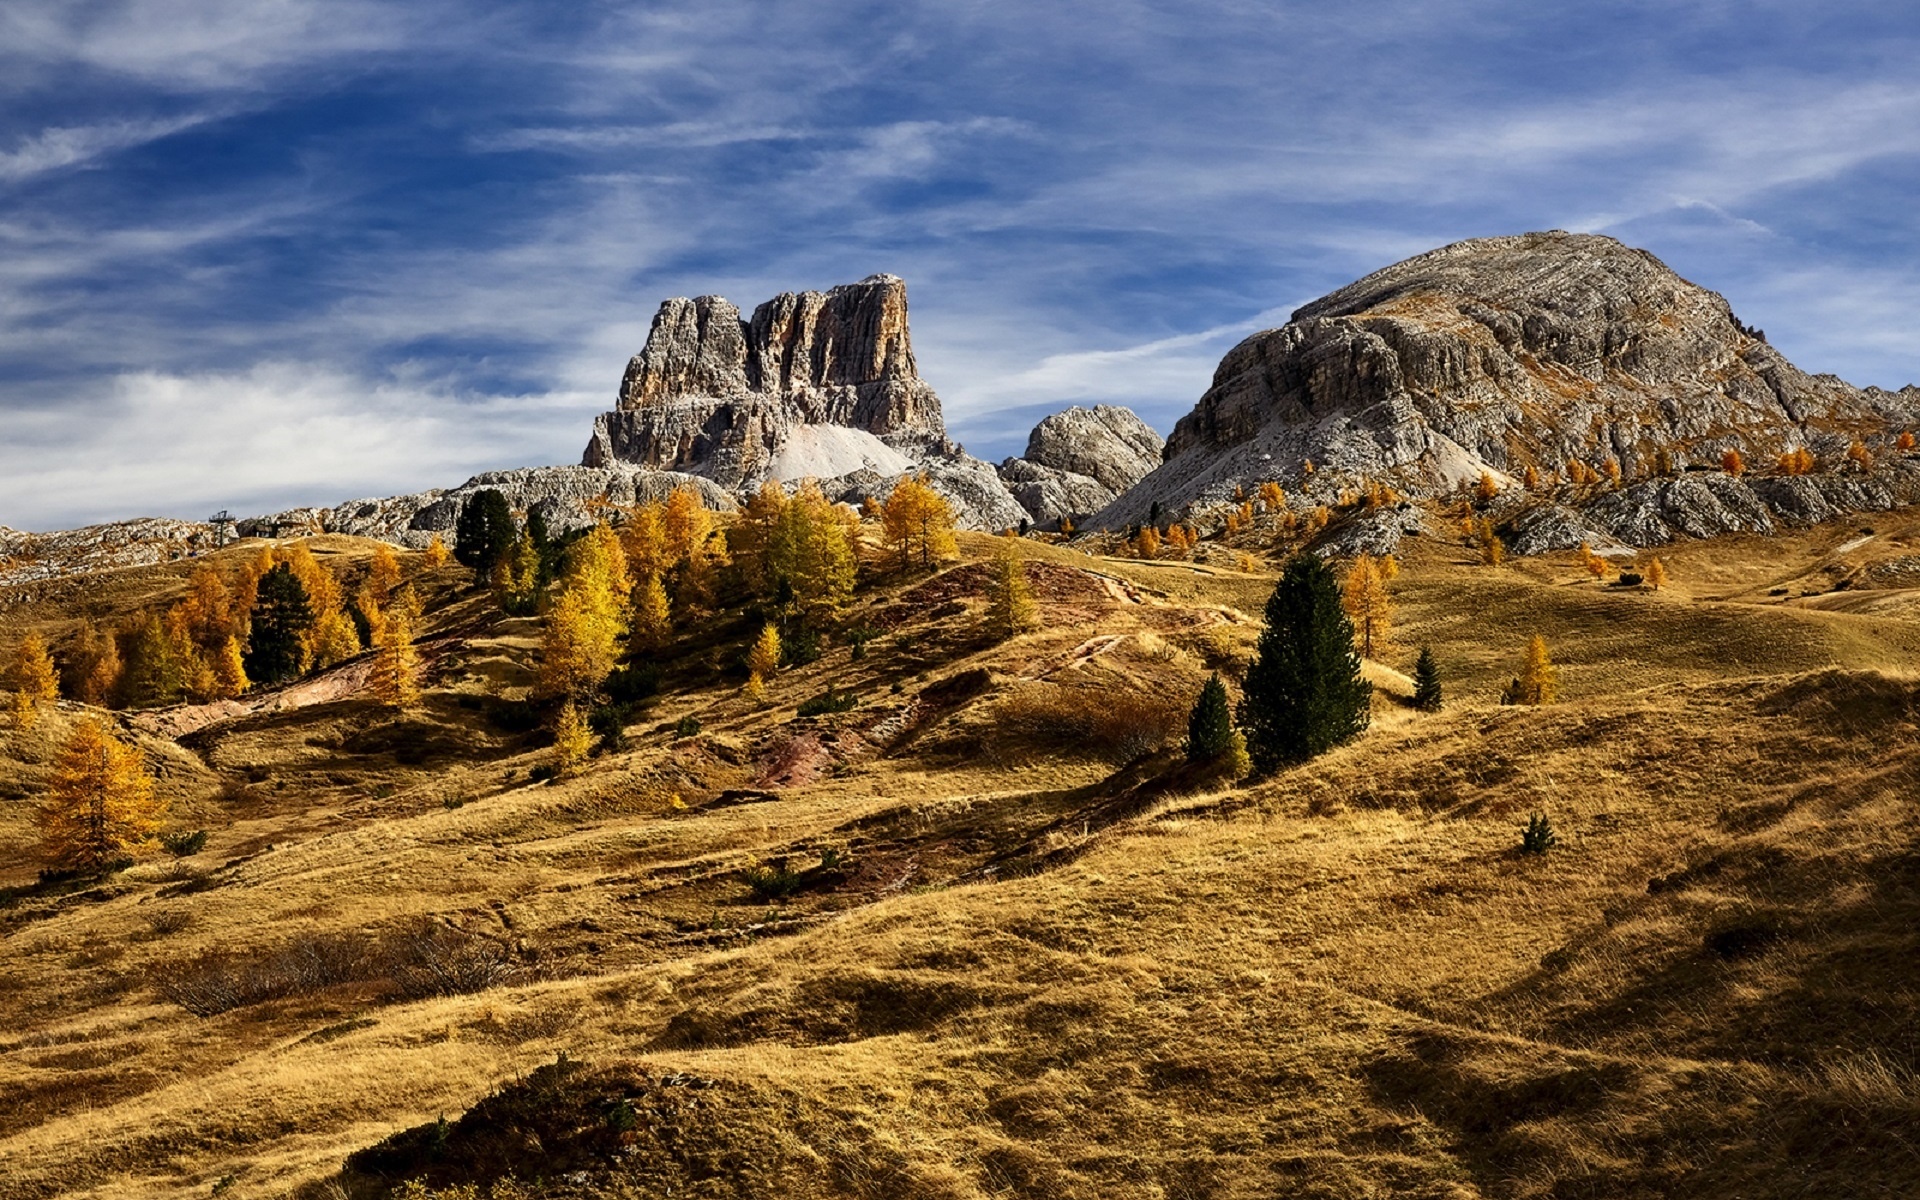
x,y
335,683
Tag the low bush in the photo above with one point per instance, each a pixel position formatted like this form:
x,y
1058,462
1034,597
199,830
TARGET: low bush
x,y
183,843
687,726
799,648
829,701
772,880
632,683
1538,837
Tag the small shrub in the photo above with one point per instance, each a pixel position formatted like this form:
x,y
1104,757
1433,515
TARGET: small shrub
x,y
169,920
182,843
687,726
452,802
772,880
799,648
1538,837
1629,579
544,773
829,701
609,723
632,683
857,639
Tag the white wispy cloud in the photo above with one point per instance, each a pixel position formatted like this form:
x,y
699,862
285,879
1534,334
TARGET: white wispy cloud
x,y
280,434
65,146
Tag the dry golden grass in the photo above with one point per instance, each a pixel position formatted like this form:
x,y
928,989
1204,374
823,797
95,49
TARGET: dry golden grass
x,y
1017,965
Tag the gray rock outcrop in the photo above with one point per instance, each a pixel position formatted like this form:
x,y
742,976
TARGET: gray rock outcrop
x,y
815,385
1540,351
1079,460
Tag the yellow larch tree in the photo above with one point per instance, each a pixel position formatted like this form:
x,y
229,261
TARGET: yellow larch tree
x,y
1493,551
1273,496
1487,488
572,739
392,678
1147,544
1904,442
917,522
752,533
100,809
644,538
34,681
1859,455
1368,606
1656,574
686,523
383,573
1732,463
762,661
1539,681
652,615
437,553
230,670
812,549
94,675
1010,606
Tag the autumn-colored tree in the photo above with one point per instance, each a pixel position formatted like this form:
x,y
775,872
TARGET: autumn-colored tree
x,y
1147,544
1010,606
100,809
1246,563
1859,455
917,522
383,573
1487,488
1066,527
762,661
652,615
1530,478
1306,466
1594,564
1318,518
1493,551
91,669
34,681
812,551
207,612
1273,496
870,509
588,617
686,523
1232,525
156,670
1364,597
751,534
1796,462
391,679
644,538
1905,441
437,553
1538,682
572,738
230,670
1732,463
1656,574
1611,469
332,640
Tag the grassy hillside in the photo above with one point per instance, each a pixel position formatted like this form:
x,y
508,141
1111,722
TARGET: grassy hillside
x,y
1016,953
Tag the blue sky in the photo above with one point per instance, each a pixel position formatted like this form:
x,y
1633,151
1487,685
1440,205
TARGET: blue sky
x,y
258,254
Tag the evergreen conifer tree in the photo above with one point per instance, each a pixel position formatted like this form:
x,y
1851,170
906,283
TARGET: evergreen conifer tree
x,y
483,532
281,617
1210,724
1304,693
1426,682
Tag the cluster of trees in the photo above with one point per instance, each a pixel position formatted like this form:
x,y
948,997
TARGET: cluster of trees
x,y
284,615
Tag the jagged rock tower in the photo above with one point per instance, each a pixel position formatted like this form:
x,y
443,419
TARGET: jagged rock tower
x,y
815,384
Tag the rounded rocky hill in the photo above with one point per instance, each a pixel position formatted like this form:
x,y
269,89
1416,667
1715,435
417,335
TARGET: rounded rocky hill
x,y
1499,354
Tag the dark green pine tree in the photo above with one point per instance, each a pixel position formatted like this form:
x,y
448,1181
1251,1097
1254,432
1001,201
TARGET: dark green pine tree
x,y
483,532
280,615
1304,694
1426,682
1210,725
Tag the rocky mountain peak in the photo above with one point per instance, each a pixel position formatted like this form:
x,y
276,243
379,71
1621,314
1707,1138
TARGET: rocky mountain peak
x,y
1498,355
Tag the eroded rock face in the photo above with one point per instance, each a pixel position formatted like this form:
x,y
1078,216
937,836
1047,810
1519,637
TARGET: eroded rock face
x,y
1079,460
721,397
1501,354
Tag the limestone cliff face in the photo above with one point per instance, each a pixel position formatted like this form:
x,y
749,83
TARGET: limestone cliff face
x,y
723,397
1499,354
